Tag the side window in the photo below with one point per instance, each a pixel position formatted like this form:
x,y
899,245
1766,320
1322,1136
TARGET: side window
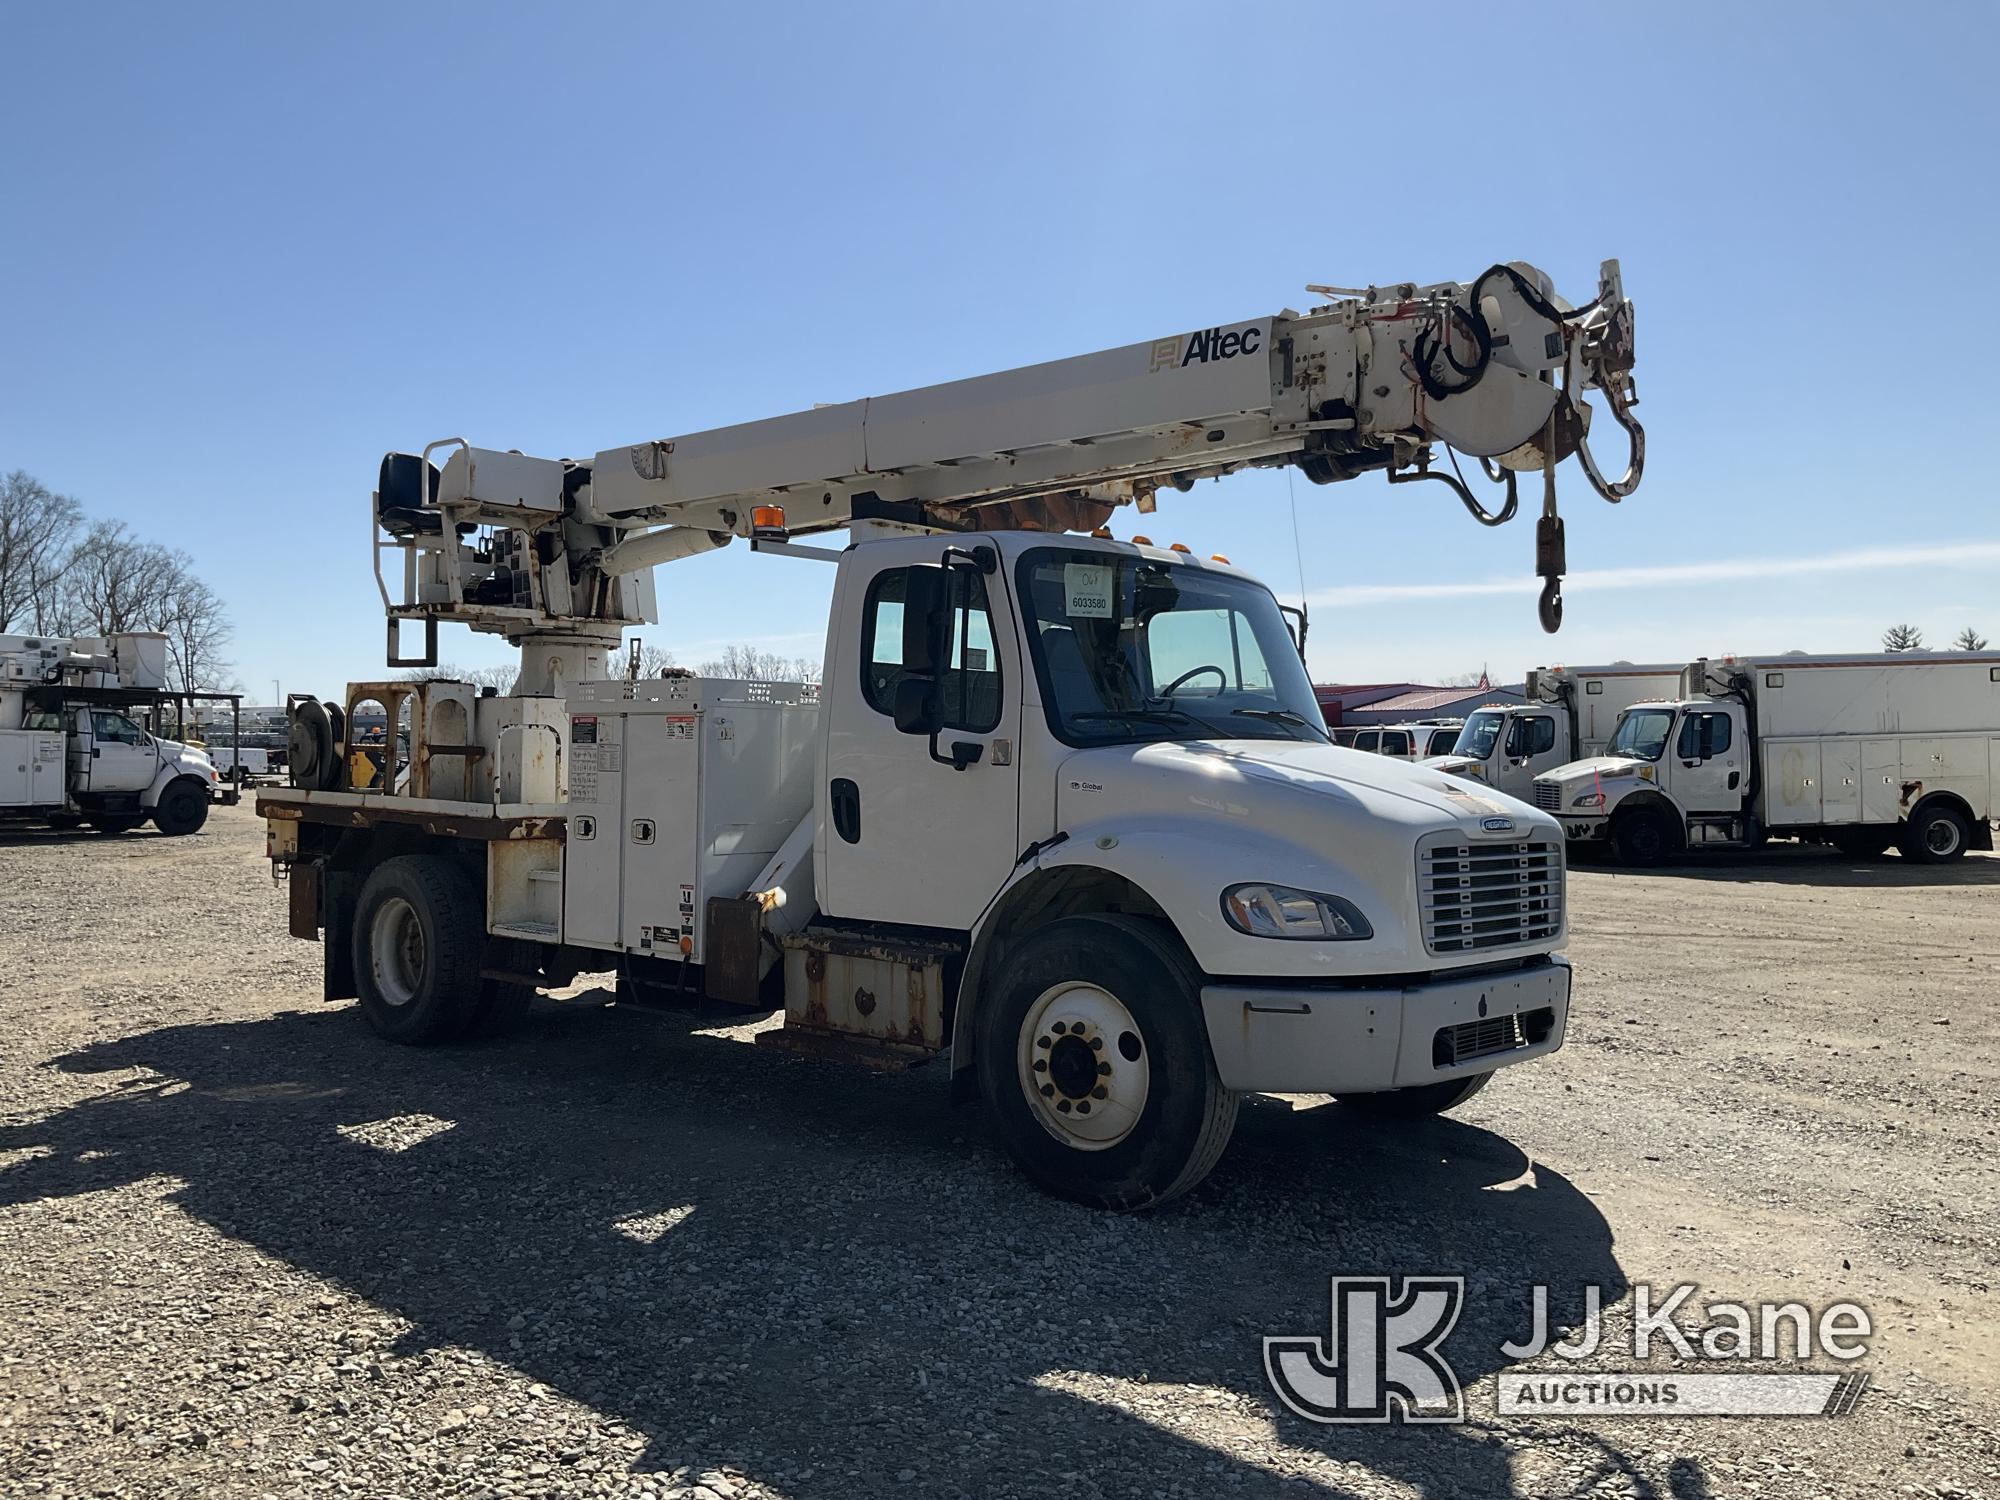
x,y
1368,739
1703,736
1441,741
1395,742
1541,735
114,727
971,681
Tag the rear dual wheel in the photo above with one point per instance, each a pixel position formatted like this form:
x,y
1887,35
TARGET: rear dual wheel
x,y
1094,1059
1936,834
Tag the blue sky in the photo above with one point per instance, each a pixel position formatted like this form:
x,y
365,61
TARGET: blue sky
x,y
251,248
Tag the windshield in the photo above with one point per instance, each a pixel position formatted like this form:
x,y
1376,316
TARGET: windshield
x,y
1127,649
1480,735
1642,733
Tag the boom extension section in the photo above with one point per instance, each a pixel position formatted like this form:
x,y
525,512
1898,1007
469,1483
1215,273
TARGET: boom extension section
x,y
557,553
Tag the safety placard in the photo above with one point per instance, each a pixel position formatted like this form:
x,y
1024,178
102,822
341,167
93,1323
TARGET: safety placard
x,y
1087,590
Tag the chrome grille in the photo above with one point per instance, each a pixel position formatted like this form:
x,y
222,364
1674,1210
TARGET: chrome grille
x,y
1488,895
1548,796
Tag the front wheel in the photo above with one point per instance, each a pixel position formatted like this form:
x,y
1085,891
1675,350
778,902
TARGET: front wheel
x,y
1094,1059
1416,1101
417,944
1937,834
1643,838
183,808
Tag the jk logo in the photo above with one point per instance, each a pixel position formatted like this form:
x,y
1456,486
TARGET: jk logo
x,y
1381,1353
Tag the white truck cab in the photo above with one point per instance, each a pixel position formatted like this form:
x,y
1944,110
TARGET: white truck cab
x,y
1571,712
76,755
1860,752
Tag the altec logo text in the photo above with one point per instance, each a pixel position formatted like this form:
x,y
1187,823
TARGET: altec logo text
x,y
1204,345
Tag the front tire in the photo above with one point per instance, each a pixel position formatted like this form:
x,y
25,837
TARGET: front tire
x,y
1418,1100
183,809
1644,838
1094,1058
417,946
1936,834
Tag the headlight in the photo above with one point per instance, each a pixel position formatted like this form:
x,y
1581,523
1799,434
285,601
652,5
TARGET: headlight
x,y
1281,912
1589,799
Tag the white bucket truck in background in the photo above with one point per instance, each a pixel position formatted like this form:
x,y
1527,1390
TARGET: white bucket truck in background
x,y
1570,713
1861,752
71,753
1063,813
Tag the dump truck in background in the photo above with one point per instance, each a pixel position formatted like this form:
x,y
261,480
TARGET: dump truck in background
x,y
1862,752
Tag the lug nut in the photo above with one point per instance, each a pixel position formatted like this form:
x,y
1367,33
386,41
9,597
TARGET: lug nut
x,y
1041,1041
1048,1089
1097,1044
1104,1070
1063,1105
1100,1092
1041,1065
1059,1028
1083,1108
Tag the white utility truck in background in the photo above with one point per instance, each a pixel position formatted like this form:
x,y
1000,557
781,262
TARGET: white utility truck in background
x,y
70,753
1860,752
1063,809
1570,713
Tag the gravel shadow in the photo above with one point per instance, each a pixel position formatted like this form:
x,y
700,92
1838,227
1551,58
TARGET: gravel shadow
x,y
828,1276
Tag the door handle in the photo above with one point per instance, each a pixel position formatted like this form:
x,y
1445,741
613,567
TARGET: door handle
x,y
844,801
95,752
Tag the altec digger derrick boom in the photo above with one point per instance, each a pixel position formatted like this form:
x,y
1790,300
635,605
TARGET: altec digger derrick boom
x,y
555,554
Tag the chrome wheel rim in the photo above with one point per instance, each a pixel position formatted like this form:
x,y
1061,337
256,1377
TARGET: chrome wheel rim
x,y
1083,1066
1941,837
396,951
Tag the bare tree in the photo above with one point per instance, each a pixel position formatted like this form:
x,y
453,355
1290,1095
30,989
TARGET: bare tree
x,y
655,660
197,628
748,661
36,528
116,582
1902,638
1968,639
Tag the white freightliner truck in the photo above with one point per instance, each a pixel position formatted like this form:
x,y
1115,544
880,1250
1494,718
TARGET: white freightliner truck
x,y
1570,714
70,750
1860,752
1062,811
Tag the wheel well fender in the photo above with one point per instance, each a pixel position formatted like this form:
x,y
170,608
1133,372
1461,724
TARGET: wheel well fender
x,y
1981,836
1651,801
1038,894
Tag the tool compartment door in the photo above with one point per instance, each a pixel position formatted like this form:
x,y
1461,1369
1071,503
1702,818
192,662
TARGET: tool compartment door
x,y
1840,775
1881,781
593,847
661,834
1791,782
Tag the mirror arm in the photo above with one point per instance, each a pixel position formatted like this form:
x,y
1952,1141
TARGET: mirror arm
x,y
963,752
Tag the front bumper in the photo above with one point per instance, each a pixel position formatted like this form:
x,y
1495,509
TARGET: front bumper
x,y
1291,1039
1582,830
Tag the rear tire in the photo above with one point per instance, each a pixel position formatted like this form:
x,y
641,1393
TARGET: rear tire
x,y
183,809
1094,1058
1418,1100
1936,834
417,947
1644,838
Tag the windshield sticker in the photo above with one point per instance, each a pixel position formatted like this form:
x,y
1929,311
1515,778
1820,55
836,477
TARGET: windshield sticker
x,y
1087,590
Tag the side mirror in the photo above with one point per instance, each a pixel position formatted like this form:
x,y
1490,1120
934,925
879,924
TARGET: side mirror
x,y
918,707
926,621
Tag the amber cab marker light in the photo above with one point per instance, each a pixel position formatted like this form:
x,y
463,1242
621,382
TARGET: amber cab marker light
x,y
1103,533
1218,557
1181,547
768,518
1142,541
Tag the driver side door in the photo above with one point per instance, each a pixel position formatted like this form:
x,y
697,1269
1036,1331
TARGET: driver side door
x,y
122,756
1706,762
904,837
1529,750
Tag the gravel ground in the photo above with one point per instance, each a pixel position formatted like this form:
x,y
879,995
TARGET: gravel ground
x,y
246,1249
